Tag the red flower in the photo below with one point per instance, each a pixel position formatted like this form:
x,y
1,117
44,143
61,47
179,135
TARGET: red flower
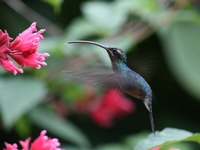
x,y
116,102
23,50
10,66
30,59
43,142
113,104
28,40
102,116
4,43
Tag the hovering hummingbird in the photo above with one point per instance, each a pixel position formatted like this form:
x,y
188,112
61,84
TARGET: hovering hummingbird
x,y
121,75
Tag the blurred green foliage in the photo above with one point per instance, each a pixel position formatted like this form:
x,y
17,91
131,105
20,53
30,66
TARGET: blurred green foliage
x,y
166,30
56,4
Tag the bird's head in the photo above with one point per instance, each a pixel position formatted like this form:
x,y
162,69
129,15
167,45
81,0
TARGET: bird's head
x,y
115,54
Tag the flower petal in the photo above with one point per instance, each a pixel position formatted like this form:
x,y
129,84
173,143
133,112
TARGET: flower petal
x,y
31,60
43,142
11,146
25,144
4,44
28,40
10,66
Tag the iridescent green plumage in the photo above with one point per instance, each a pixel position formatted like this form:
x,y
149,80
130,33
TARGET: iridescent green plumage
x,y
128,80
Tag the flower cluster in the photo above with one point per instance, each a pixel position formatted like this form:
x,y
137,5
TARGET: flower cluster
x,y
112,104
43,142
23,49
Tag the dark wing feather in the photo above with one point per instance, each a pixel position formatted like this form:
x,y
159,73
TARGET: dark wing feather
x,y
98,75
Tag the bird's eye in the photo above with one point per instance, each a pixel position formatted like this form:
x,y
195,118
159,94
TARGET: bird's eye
x,y
114,50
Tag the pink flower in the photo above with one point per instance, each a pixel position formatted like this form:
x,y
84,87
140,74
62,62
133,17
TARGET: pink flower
x,y
28,40
4,43
158,148
43,142
11,147
4,50
112,105
10,66
23,50
118,103
30,59
102,116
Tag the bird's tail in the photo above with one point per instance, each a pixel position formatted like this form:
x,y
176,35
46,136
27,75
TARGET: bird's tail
x,y
148,105
152,121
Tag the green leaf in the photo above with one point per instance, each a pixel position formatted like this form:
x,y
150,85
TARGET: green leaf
x,y
56,4
104,15
17,96
61,128
169,138
147,10
168,134
177,145
132,140
194,138
182,50
23,128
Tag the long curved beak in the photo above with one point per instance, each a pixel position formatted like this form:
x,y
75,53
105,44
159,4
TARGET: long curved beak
x,y
89,42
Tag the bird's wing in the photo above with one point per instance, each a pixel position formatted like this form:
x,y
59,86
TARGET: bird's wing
x,y
145,64
99,75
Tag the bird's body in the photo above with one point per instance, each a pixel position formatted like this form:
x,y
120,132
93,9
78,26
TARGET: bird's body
x,y
128,80
133,84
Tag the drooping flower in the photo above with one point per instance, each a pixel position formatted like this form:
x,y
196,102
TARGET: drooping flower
x,y
23,50
43,142
113,104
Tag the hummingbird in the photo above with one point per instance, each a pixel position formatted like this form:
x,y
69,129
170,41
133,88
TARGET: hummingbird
x,y
122,76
